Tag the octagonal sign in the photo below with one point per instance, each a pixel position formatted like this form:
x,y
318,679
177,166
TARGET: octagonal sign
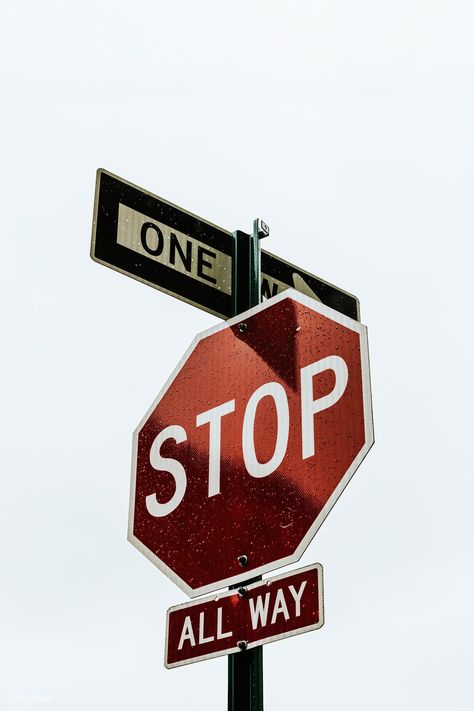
x,y
253,438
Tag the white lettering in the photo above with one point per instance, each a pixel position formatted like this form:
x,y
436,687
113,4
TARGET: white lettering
x,y
202,639
280,607
220,633
259,610
213,417
166,464
187,633
297,597
254,467
309,406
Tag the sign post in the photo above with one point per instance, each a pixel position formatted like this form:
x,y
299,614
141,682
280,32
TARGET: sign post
x,y
253,438
245,668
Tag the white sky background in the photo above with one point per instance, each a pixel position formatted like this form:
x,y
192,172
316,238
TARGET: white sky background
x,y
348,127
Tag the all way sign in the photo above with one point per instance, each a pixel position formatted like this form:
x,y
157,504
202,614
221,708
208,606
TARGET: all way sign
x,y
241,619
158,243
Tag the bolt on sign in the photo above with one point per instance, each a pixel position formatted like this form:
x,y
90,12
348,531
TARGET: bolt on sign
x,y
251,441
158,243
241,619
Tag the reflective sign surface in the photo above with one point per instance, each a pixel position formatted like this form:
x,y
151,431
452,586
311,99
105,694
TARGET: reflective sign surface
x,y
251,441
160,244
266,611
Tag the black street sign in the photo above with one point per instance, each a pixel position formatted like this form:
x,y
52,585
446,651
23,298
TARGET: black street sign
x,y
278,275
162,245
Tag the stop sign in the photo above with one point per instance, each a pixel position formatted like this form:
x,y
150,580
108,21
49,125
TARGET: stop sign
x,y
253,438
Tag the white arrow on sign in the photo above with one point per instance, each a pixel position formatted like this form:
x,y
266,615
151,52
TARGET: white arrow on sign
x,y
301,286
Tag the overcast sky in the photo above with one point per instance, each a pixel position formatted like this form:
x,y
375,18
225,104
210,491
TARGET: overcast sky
x,y
348,127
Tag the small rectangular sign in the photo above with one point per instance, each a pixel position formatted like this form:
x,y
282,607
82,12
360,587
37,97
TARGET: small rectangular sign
x,y
160,244
269,610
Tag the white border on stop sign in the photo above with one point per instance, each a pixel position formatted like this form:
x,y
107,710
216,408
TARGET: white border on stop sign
x,y
369,440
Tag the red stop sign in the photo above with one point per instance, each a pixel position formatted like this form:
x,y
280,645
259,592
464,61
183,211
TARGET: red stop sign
x,y
249,444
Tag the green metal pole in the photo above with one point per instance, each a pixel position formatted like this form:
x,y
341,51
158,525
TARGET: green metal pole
x,y
245,668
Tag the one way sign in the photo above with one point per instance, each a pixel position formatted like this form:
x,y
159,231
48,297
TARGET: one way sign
x,y
162,245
